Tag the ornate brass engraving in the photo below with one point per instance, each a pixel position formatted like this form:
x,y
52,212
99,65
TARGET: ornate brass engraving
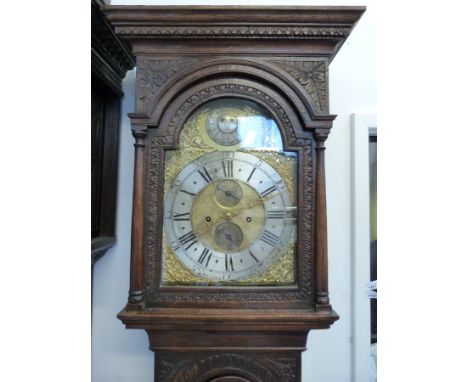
x,y
280,273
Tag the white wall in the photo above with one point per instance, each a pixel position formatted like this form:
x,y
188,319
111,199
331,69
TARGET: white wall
x,y
122,355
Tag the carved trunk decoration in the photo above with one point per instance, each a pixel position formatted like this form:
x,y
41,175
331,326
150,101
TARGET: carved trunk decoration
x,y
229,253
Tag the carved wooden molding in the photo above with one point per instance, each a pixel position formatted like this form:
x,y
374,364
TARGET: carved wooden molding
x,y
107,45
264,32
315,22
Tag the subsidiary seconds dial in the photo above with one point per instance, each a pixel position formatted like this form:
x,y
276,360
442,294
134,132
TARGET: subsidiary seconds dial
x,y
228,216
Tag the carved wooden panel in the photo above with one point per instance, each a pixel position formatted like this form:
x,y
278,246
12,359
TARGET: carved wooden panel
x,y
154,74
208,367
312,75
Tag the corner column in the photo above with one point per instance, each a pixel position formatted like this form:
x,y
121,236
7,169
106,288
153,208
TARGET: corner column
x,y
136,292
321,247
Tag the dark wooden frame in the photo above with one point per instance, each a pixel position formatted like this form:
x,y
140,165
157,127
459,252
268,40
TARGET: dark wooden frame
x,y
187,56
110,60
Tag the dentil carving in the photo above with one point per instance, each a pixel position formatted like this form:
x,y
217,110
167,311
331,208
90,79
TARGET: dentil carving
x,y
182,31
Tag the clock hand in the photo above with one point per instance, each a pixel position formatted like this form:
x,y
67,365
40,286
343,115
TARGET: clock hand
x,y
228,236
228,193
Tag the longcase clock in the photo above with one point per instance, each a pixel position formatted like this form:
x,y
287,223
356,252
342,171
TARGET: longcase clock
x,y
229,238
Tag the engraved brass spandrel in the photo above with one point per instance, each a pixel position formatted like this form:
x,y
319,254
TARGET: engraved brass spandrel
x,y
175,273
279,273
285,166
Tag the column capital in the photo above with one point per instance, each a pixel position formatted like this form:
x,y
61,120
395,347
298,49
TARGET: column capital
x,y
139,132
140,135
321,135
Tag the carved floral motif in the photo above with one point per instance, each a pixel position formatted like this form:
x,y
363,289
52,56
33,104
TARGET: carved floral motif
x,y
200,368
312,75
153,75
285,368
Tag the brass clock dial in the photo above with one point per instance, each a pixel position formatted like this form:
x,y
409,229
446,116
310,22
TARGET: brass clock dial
x,y
228,215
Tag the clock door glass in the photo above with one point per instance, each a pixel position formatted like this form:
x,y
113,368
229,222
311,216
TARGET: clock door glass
x,y
229,200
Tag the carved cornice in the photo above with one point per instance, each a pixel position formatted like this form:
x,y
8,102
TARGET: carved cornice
x,y
228,31
312,75
234,21
107,44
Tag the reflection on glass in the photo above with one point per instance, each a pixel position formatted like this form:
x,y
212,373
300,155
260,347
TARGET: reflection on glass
x,y
259,133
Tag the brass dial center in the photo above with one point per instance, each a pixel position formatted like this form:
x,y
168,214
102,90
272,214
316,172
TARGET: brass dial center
x,y
228,216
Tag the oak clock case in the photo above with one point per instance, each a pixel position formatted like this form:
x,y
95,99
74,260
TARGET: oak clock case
x,y
229,262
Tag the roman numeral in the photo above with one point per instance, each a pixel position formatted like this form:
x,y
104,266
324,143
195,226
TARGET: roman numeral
x,y
253,256
175,245
269,238
250,176
187,192
228,263
205,257
189,238
182,217
228,168
268,191
275,214
205,175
